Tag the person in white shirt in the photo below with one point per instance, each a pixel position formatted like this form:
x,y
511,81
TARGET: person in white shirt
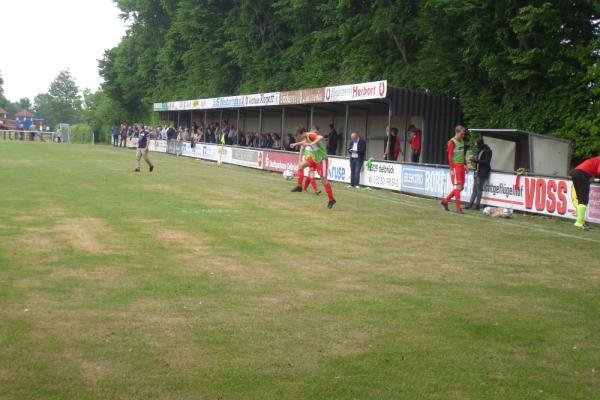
x,y
356,149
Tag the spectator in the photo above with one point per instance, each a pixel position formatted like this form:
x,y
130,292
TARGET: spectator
x,y
32,129
332,140
171,132
482,173
357,151
393,150
415,143
287,142
115,134
231,134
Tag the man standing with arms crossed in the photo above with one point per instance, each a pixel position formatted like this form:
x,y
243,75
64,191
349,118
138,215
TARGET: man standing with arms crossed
x,y
316,157
458,166
142,150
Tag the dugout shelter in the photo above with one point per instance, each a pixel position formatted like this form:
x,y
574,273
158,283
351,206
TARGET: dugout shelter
x,y
538,154
366,108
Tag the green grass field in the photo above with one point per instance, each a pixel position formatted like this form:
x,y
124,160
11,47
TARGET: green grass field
x,y
205,281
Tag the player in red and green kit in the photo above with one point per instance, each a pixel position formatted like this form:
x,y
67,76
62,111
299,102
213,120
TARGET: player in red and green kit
x,y
310,178
458,166
315,157
581,176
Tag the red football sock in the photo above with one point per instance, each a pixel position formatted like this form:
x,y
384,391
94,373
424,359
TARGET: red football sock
x,y
450,196
313,183
300,176
306,182
457,197
329,191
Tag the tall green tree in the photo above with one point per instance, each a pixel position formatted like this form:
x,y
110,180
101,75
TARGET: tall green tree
x,y
100,112
62,103
3,101
24,102
518,64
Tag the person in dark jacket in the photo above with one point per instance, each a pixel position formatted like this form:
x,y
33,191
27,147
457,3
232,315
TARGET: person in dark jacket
x,y
357,149
332,141
482,173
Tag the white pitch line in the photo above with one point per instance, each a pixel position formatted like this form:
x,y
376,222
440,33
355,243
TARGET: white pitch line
x,y
508,221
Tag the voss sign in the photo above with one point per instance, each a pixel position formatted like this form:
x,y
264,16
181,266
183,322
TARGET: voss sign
x,y
550,196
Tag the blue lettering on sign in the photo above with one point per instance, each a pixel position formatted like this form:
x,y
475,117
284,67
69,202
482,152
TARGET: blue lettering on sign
x,y
337,173
413,178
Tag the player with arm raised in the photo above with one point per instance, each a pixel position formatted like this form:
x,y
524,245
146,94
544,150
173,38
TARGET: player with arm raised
x,y
315,157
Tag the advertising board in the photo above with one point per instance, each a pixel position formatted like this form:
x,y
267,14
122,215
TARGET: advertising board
x,y
279,161
382,175
245,157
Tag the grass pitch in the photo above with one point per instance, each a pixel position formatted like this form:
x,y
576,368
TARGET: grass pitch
x,y
205,281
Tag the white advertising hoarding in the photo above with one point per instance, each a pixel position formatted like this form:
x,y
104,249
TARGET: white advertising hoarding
x,y
533,194
357,91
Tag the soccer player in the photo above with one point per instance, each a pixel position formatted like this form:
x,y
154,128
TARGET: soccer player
x,y
581,176
315,157
458,166
310,178
142,150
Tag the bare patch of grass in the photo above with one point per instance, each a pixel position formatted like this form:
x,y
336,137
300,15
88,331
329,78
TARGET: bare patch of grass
x,y
88,235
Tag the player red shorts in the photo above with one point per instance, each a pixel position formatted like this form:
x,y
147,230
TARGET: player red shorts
x,y
319,167
457,175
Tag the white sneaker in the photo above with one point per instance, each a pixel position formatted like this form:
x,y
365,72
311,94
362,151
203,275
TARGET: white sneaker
x,y
357,187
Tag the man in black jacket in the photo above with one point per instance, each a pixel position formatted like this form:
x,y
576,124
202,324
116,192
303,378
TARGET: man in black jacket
x,y
357,150
332,141
482,172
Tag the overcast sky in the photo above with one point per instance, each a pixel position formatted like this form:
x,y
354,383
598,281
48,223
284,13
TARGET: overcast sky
x,y
42,37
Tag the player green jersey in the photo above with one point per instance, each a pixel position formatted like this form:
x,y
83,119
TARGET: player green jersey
x,y
317,152
458,154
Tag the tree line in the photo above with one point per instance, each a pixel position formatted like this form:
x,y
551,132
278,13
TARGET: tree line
x,y
532,65
62,103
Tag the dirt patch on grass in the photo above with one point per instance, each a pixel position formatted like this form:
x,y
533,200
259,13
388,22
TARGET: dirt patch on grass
x,y
84,234
107,275
94,371
25,218
88,235
175,237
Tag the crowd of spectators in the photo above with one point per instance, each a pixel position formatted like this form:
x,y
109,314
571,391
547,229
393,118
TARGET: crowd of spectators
x,y
21,132
217,133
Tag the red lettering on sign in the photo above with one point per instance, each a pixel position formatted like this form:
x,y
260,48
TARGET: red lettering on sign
x,y
562,197
551,202
529,192
540,195
381,89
